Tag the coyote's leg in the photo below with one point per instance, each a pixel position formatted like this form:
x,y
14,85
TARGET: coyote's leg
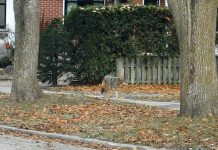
x,y
116,94
107,95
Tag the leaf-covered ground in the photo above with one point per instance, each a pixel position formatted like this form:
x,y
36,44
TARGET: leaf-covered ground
x,y
111,121
131,91
130,88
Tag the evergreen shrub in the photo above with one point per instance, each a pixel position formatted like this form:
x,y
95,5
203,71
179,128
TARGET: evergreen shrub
x,y
53,53
5,61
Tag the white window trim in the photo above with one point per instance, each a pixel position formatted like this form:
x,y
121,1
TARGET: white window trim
x,y
63,7
166,4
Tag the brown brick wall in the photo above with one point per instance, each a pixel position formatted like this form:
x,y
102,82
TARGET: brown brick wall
x,y
50,9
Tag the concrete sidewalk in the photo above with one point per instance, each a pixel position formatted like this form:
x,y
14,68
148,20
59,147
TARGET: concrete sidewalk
x,y
165,105
5,87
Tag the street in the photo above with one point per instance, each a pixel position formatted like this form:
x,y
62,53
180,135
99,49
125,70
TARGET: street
x,y
19,143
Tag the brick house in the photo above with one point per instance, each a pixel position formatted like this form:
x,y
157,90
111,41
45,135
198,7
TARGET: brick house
x,y
57,8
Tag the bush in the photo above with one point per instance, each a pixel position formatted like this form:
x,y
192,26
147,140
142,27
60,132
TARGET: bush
x,y
53,53
100,34
5,61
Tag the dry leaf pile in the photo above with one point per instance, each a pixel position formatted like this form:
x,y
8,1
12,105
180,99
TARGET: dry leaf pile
x,y
130,88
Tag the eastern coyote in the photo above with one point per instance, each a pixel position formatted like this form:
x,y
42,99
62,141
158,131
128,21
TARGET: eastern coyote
x,y
110,84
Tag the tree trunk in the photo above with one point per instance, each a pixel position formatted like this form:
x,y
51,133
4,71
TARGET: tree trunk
x,y
24,83
196,27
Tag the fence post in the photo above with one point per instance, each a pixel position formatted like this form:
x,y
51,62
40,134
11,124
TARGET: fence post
x,y
178,70
132,71
165,74
159,72
120,67
126,70
169,70
138,71
154,70
143,71
148,70
175,77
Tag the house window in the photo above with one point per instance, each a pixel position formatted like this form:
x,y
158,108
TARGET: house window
x,y
70,4
153,2
2,14
123,1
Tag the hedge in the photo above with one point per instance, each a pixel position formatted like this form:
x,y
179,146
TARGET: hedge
x,y
100,34
125,30
53,53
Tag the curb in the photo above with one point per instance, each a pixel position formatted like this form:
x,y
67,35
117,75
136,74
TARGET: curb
x,y
78,139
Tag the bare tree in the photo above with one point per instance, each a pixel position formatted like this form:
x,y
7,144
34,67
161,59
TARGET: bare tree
x,y
196,26
24,83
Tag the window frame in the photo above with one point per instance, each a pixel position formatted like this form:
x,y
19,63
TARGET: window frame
x,y
5,6
157,3
67,2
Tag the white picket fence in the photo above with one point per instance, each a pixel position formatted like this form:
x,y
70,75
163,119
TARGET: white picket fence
x,y
149,70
